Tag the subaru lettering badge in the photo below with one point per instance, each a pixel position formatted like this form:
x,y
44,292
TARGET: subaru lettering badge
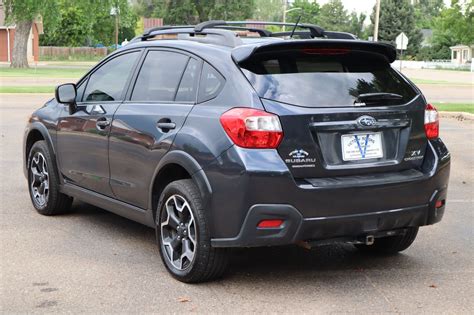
x,y
367,121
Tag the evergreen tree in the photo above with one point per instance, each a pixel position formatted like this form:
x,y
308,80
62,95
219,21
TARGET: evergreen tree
x,y
356,24
309,12
426,11
333,16
398,16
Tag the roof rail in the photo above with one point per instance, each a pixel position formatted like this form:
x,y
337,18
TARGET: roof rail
x,y
221,31
307,35
216,36
315,30
209,24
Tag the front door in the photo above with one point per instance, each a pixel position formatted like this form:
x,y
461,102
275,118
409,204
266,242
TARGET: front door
x,y
144,127
82,138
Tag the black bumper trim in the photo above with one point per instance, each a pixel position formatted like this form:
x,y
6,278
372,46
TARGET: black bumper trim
x,y
296,228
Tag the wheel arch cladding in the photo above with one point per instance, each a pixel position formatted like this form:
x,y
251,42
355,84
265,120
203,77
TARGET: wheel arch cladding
x,y
177,165
36,132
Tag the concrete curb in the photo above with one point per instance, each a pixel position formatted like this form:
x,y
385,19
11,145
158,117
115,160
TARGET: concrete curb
x,y
457,115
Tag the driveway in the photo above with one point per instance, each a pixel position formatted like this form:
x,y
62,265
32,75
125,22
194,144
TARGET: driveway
x,y
93,261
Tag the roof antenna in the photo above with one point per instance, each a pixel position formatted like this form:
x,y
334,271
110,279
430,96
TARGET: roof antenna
x,y
294,27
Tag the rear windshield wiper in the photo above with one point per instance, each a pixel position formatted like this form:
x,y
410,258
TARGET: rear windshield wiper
x,y
373,97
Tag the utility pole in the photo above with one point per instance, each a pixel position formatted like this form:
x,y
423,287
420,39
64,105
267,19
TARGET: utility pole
x,y
377,17
116,30
285,2
115,12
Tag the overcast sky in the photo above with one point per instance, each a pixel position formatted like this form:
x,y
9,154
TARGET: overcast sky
x,y
365,6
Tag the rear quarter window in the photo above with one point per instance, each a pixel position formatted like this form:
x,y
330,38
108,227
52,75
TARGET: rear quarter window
x,y
316,80
211,83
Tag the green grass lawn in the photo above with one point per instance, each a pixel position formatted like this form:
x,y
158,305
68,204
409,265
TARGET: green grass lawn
x,y
44,72
439,82
455,107
27,89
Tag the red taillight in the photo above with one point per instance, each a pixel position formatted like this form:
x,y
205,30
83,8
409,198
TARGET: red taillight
x,y
266,224
431,122
252,128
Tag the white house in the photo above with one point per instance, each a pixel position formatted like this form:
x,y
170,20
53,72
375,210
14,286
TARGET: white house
x,y
461,54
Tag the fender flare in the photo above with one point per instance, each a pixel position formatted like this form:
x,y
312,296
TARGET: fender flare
x,y
190,164
37,126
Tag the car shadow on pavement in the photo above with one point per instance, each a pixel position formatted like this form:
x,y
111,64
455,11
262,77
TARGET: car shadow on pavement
x,y
262,262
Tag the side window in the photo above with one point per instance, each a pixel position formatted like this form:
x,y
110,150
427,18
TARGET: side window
x,y
188,85
108,82
80,90
159,76
211,83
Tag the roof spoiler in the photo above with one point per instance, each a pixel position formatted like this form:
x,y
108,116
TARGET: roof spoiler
x,y
242,53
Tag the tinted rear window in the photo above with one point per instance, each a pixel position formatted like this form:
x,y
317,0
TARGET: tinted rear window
x,y
316,80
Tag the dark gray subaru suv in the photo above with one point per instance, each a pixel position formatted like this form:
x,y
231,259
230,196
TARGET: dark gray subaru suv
x,y
223,135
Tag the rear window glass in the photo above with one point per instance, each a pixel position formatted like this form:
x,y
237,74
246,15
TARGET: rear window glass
x,y
159,77
316,80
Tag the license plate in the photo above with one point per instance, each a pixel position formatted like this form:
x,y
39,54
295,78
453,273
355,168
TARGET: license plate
x,y
361,146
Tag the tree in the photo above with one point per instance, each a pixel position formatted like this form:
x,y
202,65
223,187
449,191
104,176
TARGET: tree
x,y
356,24
232,9
195,11
398,16
309,12
453,26
22,13
426,11
333,16
269,10
88,22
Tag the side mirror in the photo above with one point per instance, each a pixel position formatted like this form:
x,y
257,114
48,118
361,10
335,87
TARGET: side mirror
x,y
66,94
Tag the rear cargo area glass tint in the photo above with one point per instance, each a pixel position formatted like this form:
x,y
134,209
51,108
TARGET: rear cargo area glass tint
x,y
309,79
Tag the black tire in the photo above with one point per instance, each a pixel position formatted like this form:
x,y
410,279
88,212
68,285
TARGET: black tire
x,y
208,263
391,244
54,202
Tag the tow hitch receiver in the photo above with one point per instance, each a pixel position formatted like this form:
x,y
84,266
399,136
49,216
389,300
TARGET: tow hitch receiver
x,y
369,240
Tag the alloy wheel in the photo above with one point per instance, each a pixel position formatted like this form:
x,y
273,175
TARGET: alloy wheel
x,y
39,179
178,232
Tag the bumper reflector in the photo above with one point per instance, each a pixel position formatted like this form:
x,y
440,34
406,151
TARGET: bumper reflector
x,y
439,204
270,223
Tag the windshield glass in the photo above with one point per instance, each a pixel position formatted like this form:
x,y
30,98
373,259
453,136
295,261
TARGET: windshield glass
x,y
312,79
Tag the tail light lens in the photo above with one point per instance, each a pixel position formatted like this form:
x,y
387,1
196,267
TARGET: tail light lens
x,y
431,122
252,128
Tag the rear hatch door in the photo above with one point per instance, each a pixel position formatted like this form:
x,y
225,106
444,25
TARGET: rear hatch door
x,y
343,109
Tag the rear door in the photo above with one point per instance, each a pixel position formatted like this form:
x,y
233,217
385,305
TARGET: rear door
x,y
343,111
145,125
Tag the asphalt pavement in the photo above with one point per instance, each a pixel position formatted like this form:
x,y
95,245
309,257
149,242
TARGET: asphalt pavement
x,y
92,261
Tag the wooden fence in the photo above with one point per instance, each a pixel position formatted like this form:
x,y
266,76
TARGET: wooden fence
x,y
50,51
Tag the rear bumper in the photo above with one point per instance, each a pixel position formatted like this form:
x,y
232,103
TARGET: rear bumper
x,y
315,212
349,227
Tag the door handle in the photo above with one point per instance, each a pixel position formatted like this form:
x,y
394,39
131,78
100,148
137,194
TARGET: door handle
x,y
102,123
165,124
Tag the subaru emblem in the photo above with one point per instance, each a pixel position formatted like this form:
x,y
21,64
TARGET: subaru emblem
x,y
366,121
